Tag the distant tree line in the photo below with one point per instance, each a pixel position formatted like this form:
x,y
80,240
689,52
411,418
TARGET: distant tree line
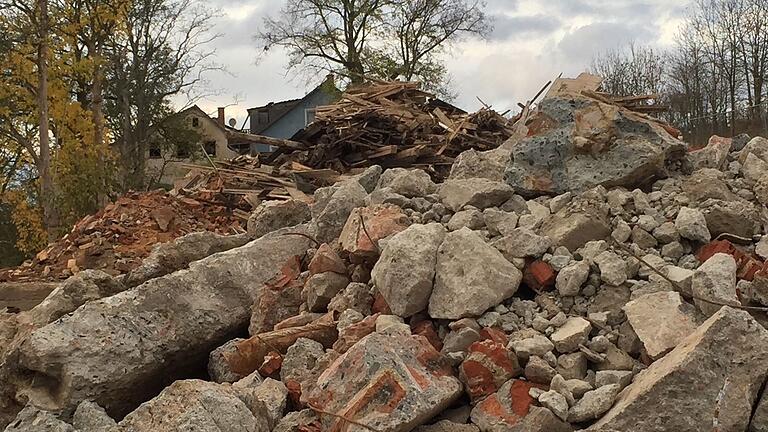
x,y
713,79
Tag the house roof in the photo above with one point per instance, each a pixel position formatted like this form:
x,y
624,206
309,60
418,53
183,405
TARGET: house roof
x,y
283,108
203,114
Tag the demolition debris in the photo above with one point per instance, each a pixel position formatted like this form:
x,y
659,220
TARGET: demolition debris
x,y
589,273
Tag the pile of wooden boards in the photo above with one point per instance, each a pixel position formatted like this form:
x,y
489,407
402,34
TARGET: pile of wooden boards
x,y
391,124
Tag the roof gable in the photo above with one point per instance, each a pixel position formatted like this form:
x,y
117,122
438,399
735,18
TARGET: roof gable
x,y
284,107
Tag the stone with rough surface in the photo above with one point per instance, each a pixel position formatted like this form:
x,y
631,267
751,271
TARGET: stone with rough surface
x,y
272,215
522,243
574,229
574,332
407,182
32,419
556,403
593,404
329,215
715,280
505,409
470,277
389,382
580,142
218,368
726,359
199,406
570,279
90,417
613,269
405,272
474,164
480,193
447,426
691,224
661,321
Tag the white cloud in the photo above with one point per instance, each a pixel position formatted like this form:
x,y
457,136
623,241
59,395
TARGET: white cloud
x,y
537,41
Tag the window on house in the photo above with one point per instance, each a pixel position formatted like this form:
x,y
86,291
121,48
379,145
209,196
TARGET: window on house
x,y
195,122
309,116
210,148
154,152
182,152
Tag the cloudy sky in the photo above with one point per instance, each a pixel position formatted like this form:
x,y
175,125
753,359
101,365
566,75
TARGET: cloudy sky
x,y
533,41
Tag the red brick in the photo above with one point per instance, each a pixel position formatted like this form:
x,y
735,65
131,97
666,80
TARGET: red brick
x,y
507,407
380,221
487,367
539,275
272,364
747,265
380,305
494,334
326,260
352,334
427,329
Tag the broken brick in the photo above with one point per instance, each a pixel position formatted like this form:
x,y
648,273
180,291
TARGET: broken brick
x,y
427,329
505,408
487,367
326,260
539,275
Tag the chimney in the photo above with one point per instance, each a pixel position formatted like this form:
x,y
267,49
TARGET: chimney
x,y
220,118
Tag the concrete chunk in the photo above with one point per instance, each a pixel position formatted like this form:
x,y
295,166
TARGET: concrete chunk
x,y
480,193
406,270
725,359
470,277
715,280
661,320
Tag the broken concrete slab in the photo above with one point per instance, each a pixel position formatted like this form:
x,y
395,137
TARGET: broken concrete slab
x,y
661,321
726,358
574,228
740,218
593,404
169,257
405,272
166,327
373,383
330,212
477,192
692,225
470,277
580,142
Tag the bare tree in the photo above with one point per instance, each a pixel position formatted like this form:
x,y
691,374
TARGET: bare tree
x,y
167,51
631,70
383,38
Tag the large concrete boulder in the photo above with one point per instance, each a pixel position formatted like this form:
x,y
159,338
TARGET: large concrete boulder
x,y
577,142
120,351
470,277
740,218
573,228
405,273
194,405
391,383
709,381
757,146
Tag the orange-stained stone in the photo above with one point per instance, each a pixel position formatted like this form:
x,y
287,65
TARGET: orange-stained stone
x,y
539,275
487,367
326,260
427,329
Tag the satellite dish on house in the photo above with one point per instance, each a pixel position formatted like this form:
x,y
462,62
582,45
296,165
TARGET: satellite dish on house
x,y
232,122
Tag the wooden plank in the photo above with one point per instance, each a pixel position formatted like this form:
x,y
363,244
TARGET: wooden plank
x,y
581,83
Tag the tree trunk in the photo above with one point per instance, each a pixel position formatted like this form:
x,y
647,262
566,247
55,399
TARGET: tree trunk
x,y
50,219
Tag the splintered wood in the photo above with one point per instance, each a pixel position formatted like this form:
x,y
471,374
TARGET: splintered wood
x,y
389,124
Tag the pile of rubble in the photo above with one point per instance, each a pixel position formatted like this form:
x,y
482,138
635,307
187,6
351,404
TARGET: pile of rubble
x,y
117,238
589,274
389,124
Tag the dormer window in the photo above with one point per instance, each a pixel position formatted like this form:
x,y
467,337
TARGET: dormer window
x,y
195,122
